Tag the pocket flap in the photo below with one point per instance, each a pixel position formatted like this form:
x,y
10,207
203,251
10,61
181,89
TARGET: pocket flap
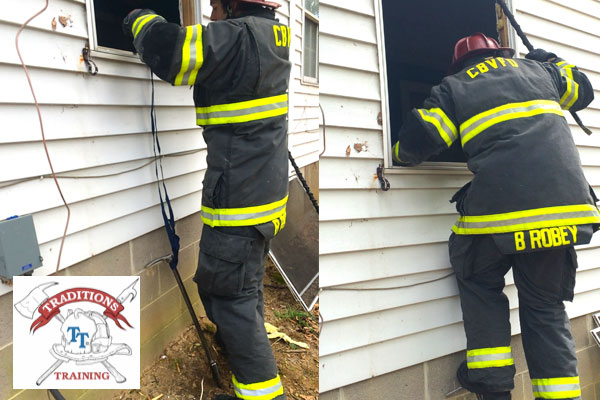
x,y
226,247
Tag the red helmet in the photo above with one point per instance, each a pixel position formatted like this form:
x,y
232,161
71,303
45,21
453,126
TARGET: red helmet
x,y
470,46
265,3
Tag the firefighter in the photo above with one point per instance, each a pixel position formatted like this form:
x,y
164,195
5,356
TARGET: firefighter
x,y
526,206
239,68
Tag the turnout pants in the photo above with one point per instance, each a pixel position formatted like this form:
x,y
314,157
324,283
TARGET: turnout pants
x,y
544,280
230,273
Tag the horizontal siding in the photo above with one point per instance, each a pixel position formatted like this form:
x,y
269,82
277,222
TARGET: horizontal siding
x,y
375,239
98,133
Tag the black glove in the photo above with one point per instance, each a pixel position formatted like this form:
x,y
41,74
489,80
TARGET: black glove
x,y
129,20
540,55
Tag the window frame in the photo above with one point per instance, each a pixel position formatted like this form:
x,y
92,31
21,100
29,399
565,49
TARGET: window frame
x,y
187,9
315,19
506,32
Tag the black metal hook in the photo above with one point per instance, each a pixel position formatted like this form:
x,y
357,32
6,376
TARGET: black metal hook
x,y
87,57
383,182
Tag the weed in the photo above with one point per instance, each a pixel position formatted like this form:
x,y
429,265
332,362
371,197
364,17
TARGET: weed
x,y
294,314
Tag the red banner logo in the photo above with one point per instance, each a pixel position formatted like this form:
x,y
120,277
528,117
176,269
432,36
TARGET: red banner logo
x,y
51,307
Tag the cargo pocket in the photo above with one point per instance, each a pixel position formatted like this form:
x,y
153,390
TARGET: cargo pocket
x,y
210,188
222,263
567,286
459,247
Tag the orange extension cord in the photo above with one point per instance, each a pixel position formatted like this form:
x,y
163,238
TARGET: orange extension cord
x,y
37,106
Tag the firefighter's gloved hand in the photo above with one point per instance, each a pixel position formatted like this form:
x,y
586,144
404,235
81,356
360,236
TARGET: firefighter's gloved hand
x,y
540,55
129,20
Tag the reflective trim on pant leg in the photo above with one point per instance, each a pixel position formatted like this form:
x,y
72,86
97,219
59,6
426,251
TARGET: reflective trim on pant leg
x,y
266,390
489,357
556,388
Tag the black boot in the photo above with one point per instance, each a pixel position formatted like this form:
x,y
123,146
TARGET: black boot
x,y
462,374
225,397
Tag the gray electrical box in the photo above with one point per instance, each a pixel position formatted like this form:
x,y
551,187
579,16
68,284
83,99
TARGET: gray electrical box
x,y
19,249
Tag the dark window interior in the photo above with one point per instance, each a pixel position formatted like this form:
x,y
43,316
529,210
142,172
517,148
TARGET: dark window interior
x,y
110,13
419,42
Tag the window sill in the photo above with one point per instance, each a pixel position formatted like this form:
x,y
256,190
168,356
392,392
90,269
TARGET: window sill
x,y
114,54
430,168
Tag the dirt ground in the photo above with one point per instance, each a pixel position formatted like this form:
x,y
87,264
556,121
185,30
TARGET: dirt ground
x,y
182,372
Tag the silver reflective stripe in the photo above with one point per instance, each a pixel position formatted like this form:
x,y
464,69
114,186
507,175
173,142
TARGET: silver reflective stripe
x,y
489,357
526,220
556,388
242,112
258,392
240,217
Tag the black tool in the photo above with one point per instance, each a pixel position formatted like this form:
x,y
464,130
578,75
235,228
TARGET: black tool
x,y
173,259
530,47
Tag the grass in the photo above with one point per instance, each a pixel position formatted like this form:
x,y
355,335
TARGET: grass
x,y
294,314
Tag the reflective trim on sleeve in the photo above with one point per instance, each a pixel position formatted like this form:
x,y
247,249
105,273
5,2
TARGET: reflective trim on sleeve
x,y
266,390
480,122
538,218
244,111
489,357
556,388
140,22
445,127
191,56
571,94
245,216
395,151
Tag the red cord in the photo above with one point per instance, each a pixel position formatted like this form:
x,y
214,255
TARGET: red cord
x,y
37,106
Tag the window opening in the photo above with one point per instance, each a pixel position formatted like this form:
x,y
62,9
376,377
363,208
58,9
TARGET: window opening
x,y
109,14
311,40
419,42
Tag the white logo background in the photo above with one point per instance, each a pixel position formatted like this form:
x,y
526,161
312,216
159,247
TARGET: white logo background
x,y
113,358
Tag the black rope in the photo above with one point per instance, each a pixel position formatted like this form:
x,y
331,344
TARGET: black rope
x,y
303,181
530,47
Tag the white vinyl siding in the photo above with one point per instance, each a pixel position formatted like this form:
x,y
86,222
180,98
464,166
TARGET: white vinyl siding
x,y
371,238
99,125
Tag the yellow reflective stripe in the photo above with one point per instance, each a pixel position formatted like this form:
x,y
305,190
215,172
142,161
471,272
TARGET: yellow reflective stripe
x,y
266,390
243,222
569,394
192,57
247,210
528,213
185,55
242,118
480,122
556,388
509,222
489,350
571,94
140,22
489,357
525,226
555,381
396,150
244,111
442,123
243,104
490,364
244,216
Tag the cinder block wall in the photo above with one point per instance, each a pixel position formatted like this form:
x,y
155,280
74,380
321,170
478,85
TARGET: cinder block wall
x,y
433,379
163,314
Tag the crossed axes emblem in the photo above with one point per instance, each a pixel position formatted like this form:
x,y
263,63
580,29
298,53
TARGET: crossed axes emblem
x,y
30,304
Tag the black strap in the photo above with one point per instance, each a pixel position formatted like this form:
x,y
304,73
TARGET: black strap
x,y
169,219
